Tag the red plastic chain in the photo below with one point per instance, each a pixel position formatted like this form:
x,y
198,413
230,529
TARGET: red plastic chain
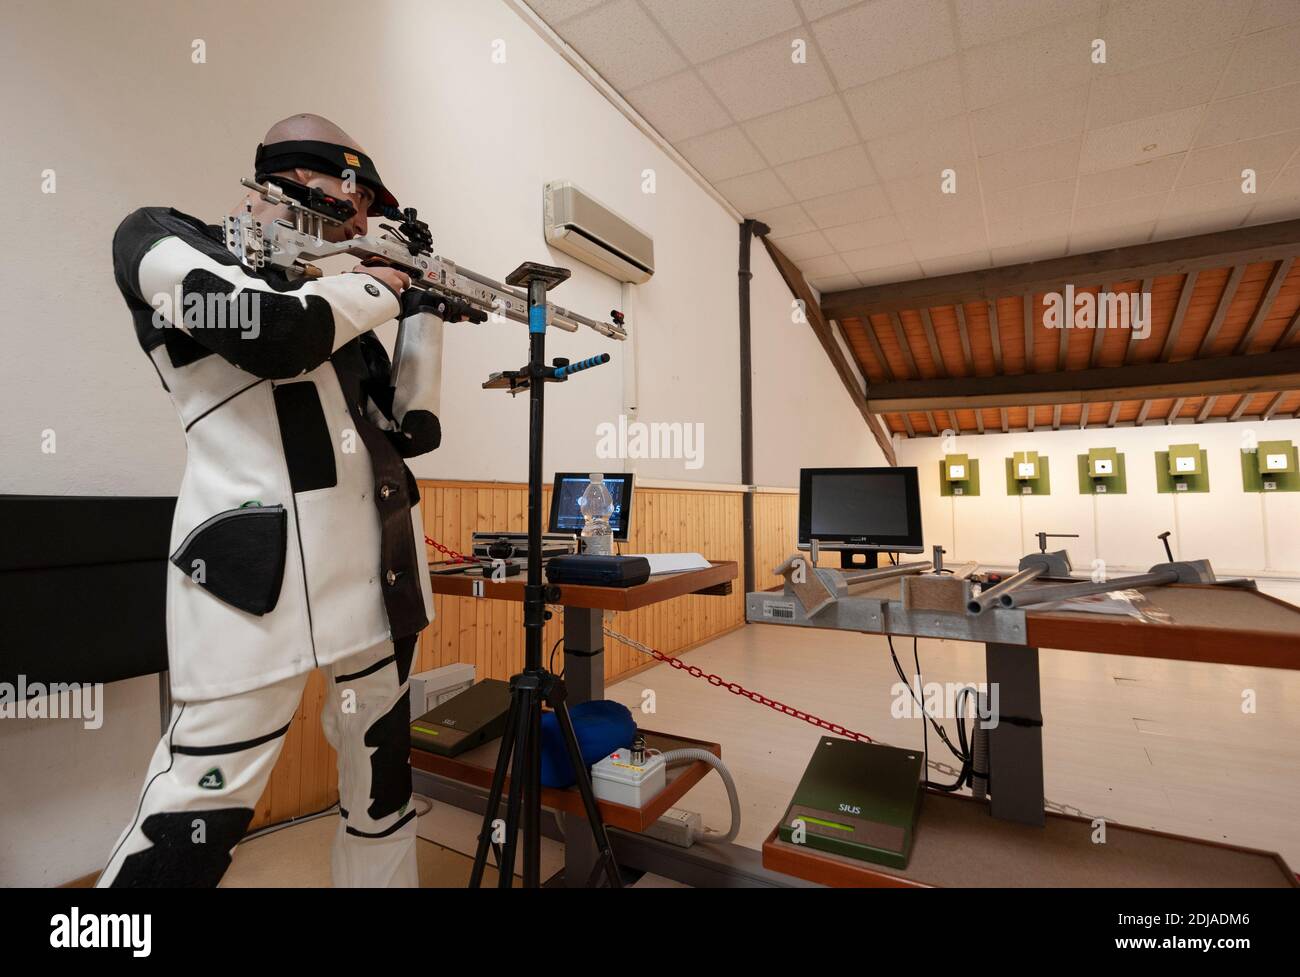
x,y
734,688
447,551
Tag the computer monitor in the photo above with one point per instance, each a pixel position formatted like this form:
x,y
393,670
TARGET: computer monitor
x,y
566,517
860,511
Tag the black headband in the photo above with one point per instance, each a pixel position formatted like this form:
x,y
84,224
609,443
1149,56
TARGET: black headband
x,y
324,157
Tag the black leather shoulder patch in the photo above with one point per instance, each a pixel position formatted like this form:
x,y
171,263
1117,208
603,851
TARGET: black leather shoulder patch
x,y
270,334
308,447
238,556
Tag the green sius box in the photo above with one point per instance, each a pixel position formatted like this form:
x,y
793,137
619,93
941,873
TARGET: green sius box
x,y
1272,467
857,800
1024,465
1102,471
1276,458
1183,468
1028,474
1103,462
959,475
1185,460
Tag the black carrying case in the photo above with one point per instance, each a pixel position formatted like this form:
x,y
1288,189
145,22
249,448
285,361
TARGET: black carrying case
x,y
598,571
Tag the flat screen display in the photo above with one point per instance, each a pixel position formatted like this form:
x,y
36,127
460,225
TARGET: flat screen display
x,y
868,507
566,517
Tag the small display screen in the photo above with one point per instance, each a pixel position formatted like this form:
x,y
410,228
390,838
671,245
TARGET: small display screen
x,y
867,506
566,516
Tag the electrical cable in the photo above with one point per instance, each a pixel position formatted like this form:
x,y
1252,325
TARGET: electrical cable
x,y
963,755
688,755
287,823
550,667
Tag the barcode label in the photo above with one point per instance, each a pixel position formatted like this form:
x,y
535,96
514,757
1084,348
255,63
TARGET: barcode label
x,y
780,610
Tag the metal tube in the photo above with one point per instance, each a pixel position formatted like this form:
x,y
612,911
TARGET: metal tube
x,y
1086,588
884,573
990,596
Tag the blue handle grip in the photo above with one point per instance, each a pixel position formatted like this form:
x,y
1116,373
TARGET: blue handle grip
x,y
563,371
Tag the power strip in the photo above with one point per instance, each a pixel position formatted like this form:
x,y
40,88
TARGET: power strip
x,y
677,827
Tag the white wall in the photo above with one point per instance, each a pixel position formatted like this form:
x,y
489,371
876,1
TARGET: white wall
x,y
1250,534
803,416
107,96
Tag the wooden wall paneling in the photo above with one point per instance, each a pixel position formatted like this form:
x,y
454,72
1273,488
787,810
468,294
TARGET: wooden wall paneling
x,y
489,634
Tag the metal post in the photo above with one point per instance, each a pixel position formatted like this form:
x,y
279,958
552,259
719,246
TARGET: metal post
x,y
1016,743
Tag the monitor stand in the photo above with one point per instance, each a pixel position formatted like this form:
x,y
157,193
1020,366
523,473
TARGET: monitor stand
x,y
859,559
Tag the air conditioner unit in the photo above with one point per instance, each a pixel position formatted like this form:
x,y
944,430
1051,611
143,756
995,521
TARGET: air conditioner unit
x,y
579,225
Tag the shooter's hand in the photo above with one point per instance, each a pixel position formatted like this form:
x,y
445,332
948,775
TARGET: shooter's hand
x,y
396,280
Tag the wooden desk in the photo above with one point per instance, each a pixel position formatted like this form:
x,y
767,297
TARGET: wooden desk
x,y
1222,625
584,678
716,580
1216,624
475,768
958,845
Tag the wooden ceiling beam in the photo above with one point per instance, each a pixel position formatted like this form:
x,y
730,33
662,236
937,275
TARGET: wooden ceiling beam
x,y
874,341
1221,312
1098,336
1290,333
1258,373
1239,246
1265,306
997,339
904,346
933,343
1273,405
1206,407
964,334
1180,313
1027,301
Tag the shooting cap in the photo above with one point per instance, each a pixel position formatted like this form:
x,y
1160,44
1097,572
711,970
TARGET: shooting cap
x,y
324,157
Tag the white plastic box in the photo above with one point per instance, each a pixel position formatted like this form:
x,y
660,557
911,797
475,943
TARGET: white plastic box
x,y
437,685
617,779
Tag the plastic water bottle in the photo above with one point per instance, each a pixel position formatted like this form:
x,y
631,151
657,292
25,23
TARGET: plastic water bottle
x,y
597,506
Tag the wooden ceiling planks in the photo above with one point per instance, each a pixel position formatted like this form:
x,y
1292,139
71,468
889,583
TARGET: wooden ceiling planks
x,y
1248,308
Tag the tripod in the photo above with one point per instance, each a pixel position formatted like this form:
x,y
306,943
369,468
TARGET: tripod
x,y
521,743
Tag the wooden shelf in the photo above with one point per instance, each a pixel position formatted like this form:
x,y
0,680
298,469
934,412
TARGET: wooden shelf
x,y
716,580
475,767
958,844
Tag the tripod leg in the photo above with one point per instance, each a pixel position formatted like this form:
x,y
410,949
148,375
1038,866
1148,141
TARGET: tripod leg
x,y
528,702
494,797
532,814
606,859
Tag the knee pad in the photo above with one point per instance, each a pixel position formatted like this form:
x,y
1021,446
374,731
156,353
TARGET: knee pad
x,y
390,764
190,850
